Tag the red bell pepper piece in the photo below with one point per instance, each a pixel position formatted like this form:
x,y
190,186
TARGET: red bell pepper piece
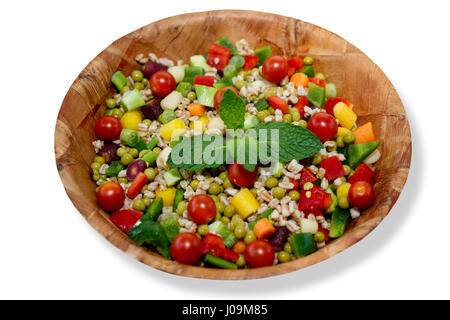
x,y
277,103
126,219
295,183
362,173
296,63
300,106
291,71
306,176
316,212
204,80
331,102
250,62
137,185
333,168
213,244
318,81
218,56
325,232
318,199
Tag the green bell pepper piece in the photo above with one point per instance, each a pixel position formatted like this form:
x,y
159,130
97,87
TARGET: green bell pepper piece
x,y
219,262
339,220
152,233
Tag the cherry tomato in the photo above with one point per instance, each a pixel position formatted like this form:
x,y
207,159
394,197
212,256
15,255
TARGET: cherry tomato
x,y
108,128
186,248
241,177
202,209
219,95
110,196
323,125
361,194
275,69
259,253
162,83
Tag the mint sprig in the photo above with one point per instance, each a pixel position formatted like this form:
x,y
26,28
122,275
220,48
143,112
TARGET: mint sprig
x,y
232,110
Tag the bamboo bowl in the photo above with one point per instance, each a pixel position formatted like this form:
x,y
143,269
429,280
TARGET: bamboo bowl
x,y
356,76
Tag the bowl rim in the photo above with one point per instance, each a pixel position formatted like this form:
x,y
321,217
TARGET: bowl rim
x,y
98,218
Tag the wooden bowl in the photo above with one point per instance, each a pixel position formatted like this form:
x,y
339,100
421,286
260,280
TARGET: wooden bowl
x,y
355,75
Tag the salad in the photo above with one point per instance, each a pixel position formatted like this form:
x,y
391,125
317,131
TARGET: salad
x,y
237,158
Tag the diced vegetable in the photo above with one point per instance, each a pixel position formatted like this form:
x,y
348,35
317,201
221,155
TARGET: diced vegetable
x,y
227,44
362,173
263,229
177,72
129,137
339,221
238,61
278,103
276,169
191,72
342,131
126,219
306,176
219,228
318,81
316,95
250,122
333,168
331,103
364,133
179,196
299,79
262,104
213,244
357,153
151,67
154,209
109,152
219,262
230,71
152,109
218,56
315,198
171,226
204,80
224,82
118,80
342,190
334,200
135,168
150,157
167,116
184,88
296,63
205,95
250,62
172,100
114,168
330,90
308,70
167,195
152,233
168,130
199,61
197,109
308,225
346,116
263,53
131,119
172,177
137,185
132,100
302,244
279,238
200,124
245,203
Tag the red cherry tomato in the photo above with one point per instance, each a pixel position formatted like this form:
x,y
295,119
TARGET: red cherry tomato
x,y
186,248
108,128
361,194
162,83
241,177
110,196
275,69
219,95
202,209
323,125
259,253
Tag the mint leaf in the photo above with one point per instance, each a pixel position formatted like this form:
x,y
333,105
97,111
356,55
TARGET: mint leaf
x,y
232,110
280,141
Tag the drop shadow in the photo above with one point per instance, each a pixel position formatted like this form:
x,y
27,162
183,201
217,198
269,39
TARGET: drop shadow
x,y
302,279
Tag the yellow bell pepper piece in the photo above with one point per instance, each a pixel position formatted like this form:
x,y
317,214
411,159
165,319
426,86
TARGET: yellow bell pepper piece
x,y
245,203
167,195
342,190
169,128
131,119
346,116
342,131
199,124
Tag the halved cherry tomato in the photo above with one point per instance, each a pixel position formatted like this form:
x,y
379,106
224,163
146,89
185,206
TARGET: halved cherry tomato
x,y
202,209
110,196
186,248
219,95
259,253
240,176
277,103
250,62
275,69
361,194
162,83
323,125
108,128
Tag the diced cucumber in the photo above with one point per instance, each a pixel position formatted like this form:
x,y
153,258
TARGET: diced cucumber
x,y
191,72
339,221
199,61
119,80
302,244
250,122
132,100
205,95
167,116
177,72
238,61
357,153
308,70
277,169
316,95
219,262
308,225
172,177
172,100
263,53
330,90
219,228
184,88
230,71
261,104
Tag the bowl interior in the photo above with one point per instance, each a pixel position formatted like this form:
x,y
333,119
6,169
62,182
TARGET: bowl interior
x,y
355,75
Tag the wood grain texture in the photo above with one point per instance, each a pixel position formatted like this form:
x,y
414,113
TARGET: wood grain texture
x,y
356,76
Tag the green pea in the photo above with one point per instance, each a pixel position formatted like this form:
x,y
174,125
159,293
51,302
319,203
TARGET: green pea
x,y
118,113
139,205
271,182
332,147
278,192
124,89
240,262
317,159
139,86
142,153
223,175
343,202
191,96
296,117
111,103
319,236
220,195
227,183
96,176
220,207
294,194
347,169
157,150
126,159
218,216
137,75
229,211
150,173
239,231
122,180
303,123
144,188
287,247
99,160
340,142
308,60
144,81
134,152
121,151
320,76
261,115
283,256
270,110
239,84
287,118
194,184
215,198
349,138
272,91
203,229
147,201
308,186
249,237
214,188
235,220
225,220
95,166
181,207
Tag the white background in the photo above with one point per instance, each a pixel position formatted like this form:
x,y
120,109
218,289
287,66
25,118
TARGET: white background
x,y
47,250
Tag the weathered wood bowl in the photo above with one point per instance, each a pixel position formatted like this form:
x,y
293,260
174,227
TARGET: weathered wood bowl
x,y
358,79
